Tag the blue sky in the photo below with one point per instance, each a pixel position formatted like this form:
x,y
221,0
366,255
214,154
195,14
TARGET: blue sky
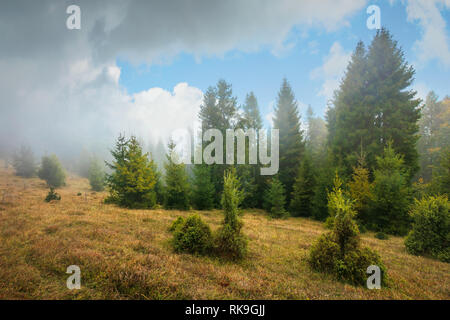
x,y
261,71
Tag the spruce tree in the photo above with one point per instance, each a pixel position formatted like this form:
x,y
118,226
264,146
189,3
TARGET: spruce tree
x,y
230,242
303,191
291,143
391,195
249,174
203,187
132,181
275,199
176,181
52,172
96,175
219,111
374,105
24,162
360,190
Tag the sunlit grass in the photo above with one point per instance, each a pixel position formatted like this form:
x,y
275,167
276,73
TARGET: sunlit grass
x,y
126,254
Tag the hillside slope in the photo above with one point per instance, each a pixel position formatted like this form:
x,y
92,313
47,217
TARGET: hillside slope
x,y
126,254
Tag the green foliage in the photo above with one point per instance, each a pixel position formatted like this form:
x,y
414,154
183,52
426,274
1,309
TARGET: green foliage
x,y
52,195
177,222
360,190
219,111
303,191
52,172
324,184
96,175
275,199
229,241
23,162
434,134
192,235
430,234
339,252
374,104
203,187
287,120
381,235
249,186
132,181
391,195
441,175
176,179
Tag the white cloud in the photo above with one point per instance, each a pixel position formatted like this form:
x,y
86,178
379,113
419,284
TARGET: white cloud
x,y
434,43
332,70
60,88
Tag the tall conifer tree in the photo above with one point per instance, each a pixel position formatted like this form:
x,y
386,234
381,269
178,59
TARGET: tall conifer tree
x,y
287,120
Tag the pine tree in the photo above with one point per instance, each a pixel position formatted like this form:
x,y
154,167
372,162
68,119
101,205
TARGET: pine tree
x,y
52,172
291,143
203,187
349,117
230,241
24,163
132,181
316,134
176,181
434,133
391,195
96,175
373,104
360,190
441,175
303,192
219,111
275,199
252,116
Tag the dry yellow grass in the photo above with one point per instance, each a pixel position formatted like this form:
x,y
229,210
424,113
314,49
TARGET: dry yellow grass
x,y
126,254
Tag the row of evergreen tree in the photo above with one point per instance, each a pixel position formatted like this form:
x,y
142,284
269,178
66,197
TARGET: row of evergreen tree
x,y
368,140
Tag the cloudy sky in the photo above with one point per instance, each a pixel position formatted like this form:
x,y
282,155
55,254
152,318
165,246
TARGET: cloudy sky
x,y
141,66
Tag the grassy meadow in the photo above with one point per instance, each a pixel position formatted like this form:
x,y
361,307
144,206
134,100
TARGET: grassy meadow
x,y
126,254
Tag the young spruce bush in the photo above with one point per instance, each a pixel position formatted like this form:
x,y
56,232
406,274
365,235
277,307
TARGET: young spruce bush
x,y
52,195
229,241
430,234
191,235
339,252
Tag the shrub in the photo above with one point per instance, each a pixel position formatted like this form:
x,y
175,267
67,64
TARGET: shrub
x,y
23,163
178,222
338,252
324,253
52,172
275,199
191,235
430,234
353,265
381,235
96,175
229,241
52,195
